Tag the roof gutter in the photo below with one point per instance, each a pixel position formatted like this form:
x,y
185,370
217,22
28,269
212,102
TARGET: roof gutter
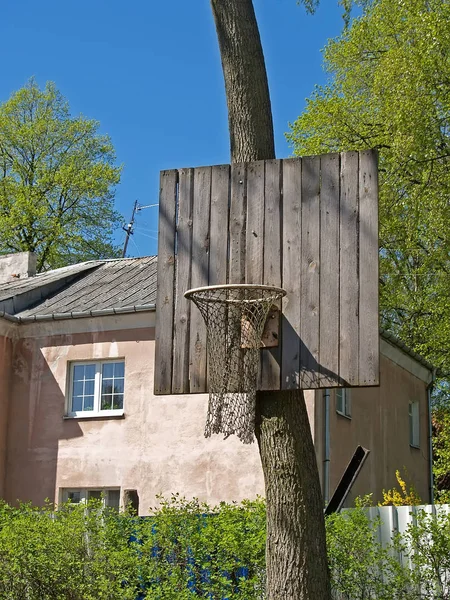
x,y
8,317
82,314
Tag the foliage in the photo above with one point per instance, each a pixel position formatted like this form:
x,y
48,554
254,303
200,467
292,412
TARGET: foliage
x,y
388,88
441,452
73,554
187,549
360,567
57,177
406,496
183,550
428,544
211,552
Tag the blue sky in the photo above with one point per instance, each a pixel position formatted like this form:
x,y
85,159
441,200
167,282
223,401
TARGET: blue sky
x,y
150,72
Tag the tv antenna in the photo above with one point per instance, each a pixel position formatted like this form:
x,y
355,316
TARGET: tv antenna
x,y
129,228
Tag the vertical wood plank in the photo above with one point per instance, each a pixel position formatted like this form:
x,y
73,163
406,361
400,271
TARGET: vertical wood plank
x,y
310,273
368,270
220,195
218,258
165,282
180,376
291,282
255,223
238,210
329,271
271,357
199,278
349,270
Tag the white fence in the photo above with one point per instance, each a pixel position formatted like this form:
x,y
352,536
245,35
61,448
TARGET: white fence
x,y
433,576
397,519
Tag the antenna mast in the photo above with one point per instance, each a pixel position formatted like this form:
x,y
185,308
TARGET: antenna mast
x,y
129,228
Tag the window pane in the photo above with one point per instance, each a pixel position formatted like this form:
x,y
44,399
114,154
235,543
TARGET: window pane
x,y
119,369
89,388
108,370
74,497
118,386
77,403
106,402
89,372
88,403
97,494
113,499
118,401
107,386
78,372
77,388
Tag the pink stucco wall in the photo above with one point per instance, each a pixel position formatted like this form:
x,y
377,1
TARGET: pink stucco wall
x,y
5,372
158,447
379,422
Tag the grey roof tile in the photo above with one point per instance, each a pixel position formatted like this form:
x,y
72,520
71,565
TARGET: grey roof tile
x,y
106,285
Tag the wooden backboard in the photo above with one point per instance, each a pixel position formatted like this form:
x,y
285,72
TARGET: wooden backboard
x,y
309,225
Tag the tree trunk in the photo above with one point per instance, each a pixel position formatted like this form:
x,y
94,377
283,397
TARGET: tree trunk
x,y
296,561
296,549
249,110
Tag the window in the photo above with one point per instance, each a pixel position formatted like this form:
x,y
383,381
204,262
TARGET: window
x,y
96,388
343,402
110,497
414,424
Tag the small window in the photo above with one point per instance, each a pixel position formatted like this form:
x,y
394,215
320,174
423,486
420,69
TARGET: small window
x,y
109,497
96,388
414,424
343,402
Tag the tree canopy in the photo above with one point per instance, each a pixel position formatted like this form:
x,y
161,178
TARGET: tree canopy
x,y
389,88
57,180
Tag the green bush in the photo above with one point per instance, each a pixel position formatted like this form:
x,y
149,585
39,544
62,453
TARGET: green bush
x,y
186,549
191,550
76,553
427,545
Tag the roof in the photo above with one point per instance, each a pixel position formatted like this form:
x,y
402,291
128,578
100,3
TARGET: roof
x,y
95,288
120,285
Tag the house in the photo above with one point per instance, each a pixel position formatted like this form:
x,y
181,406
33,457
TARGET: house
x,y
78,415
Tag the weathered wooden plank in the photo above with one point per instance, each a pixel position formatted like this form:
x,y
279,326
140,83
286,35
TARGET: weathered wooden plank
x,y
220,196
310,273
329,271
166,283
369,367
218,258
349,270
255,223
238,210
180,376
271,357
199,277
291,281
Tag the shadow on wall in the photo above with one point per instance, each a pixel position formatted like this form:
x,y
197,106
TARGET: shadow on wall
x,y
37,406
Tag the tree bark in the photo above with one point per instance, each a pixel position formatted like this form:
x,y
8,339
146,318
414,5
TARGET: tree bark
x,y
296,548
247,90
296,560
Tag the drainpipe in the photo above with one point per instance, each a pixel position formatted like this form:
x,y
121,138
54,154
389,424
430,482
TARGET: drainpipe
x,y
430,434
326,458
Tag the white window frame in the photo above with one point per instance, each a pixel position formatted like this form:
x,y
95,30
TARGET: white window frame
x,y
345,410
96,412
414,423
84,494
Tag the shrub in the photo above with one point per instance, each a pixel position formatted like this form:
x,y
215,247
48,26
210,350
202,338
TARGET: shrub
x,y
360,568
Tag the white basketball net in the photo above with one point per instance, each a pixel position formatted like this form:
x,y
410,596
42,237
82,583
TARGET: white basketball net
x,y
235,316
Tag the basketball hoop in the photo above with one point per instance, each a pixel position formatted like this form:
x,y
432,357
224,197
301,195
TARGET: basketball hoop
x,y
235,316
